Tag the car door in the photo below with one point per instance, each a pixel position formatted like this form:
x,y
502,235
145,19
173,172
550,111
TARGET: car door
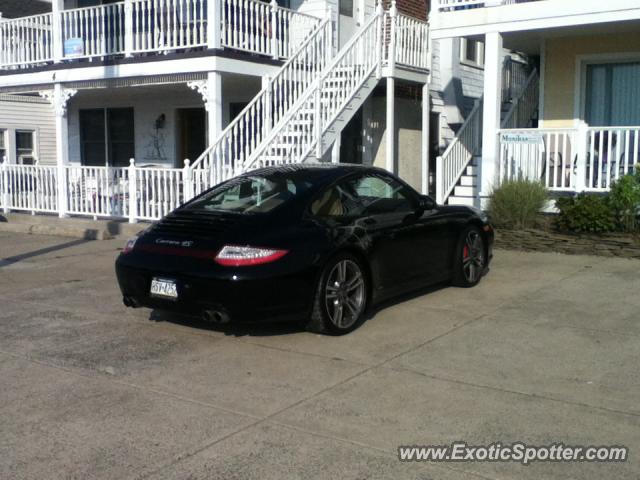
x,y
390,221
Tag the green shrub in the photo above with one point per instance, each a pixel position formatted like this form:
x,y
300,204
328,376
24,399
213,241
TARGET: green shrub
x,y
516,203
586,213
624,199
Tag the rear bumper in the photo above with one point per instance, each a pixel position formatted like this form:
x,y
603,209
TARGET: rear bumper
x,y
284,297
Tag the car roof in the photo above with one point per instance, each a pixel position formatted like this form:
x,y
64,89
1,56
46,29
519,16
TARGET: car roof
x,y
322,172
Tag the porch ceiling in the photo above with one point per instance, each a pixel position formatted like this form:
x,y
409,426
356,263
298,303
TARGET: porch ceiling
x,y
530,42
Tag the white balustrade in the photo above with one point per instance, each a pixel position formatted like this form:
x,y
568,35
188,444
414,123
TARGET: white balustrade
x,y
525,103
455,5
412,42
231,150
30,188
456,158
158,191
93,31
26,40
611,153
164,25
97,191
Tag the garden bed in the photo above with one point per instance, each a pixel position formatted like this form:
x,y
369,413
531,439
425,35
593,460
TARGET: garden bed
x,y
543,240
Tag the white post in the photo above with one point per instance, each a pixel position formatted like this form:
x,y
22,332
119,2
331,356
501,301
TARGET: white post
x,y
266,83
582,153
3,54
214,21
318,120
59,99
491,113
274,29
212,96
335,150
57,6
391,127
379,39
439,184
128,28
426,117
393,14
5,186
187,182
133,192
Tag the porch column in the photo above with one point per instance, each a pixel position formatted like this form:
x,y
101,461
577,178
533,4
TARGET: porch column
x,y
391,126
214,105
59,97
426,117
491,113
57,6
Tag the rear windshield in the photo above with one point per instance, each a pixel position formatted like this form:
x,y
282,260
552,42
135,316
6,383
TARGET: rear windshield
x,y
252,194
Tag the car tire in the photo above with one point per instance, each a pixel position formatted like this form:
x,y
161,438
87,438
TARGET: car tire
x,y
470,258
341,296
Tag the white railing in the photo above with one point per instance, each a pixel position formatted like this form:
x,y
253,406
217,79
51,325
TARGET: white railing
x,y
30,188
570,160
235,144
93,31
455,5
142,26
302,128
96,191
134,193
412,41
164,25
525,105
26,40
456,158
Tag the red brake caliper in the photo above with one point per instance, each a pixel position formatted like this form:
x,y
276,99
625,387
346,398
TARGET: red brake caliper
x,y
465,252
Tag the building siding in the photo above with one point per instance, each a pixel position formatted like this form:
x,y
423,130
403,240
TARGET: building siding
x,y
29,113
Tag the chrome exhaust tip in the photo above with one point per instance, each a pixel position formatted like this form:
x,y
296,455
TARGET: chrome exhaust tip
x,y
216,317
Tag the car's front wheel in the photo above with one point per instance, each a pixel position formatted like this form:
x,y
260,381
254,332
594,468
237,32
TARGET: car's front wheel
x,y
341,296
471,258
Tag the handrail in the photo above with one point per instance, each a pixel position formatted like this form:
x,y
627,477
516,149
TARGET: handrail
x,y
248,129
527,94
448,172
310,108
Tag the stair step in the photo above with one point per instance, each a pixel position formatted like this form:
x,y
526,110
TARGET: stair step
x,y
468,181
468,201
472,171
464,191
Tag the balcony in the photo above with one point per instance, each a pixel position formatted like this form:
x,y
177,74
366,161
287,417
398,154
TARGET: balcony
x,y
455,5
142,27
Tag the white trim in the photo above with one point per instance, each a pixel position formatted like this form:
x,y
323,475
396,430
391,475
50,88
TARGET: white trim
x,y
147,69
525,16
543,74
580,85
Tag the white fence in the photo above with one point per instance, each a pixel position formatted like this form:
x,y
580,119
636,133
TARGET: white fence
x,y
570,160
134,193
141,26
411,41
26,40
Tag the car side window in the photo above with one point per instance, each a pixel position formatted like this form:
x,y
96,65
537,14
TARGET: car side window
x,y
338,201
381,195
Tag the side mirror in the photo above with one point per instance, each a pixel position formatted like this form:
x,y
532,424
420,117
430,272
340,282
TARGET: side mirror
x,y
427,203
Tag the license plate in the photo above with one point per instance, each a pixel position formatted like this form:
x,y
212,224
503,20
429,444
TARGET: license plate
x,y
163,287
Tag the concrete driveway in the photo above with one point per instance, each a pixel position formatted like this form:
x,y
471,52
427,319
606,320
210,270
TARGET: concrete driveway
x,y
545,350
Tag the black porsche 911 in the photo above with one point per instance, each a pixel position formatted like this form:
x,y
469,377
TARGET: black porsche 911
x,y
318,243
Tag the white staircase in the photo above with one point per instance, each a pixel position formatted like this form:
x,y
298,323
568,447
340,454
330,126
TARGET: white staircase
x,y
302,111
457,168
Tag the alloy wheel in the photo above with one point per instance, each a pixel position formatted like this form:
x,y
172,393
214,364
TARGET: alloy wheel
x,y
345,294
473,257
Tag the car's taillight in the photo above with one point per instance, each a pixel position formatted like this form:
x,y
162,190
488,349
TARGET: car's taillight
x,y
129,245
237,256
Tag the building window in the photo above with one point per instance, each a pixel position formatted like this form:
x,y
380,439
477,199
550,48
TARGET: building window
x,y
472,52
24,147
107,137
3,149
346,8
613,94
